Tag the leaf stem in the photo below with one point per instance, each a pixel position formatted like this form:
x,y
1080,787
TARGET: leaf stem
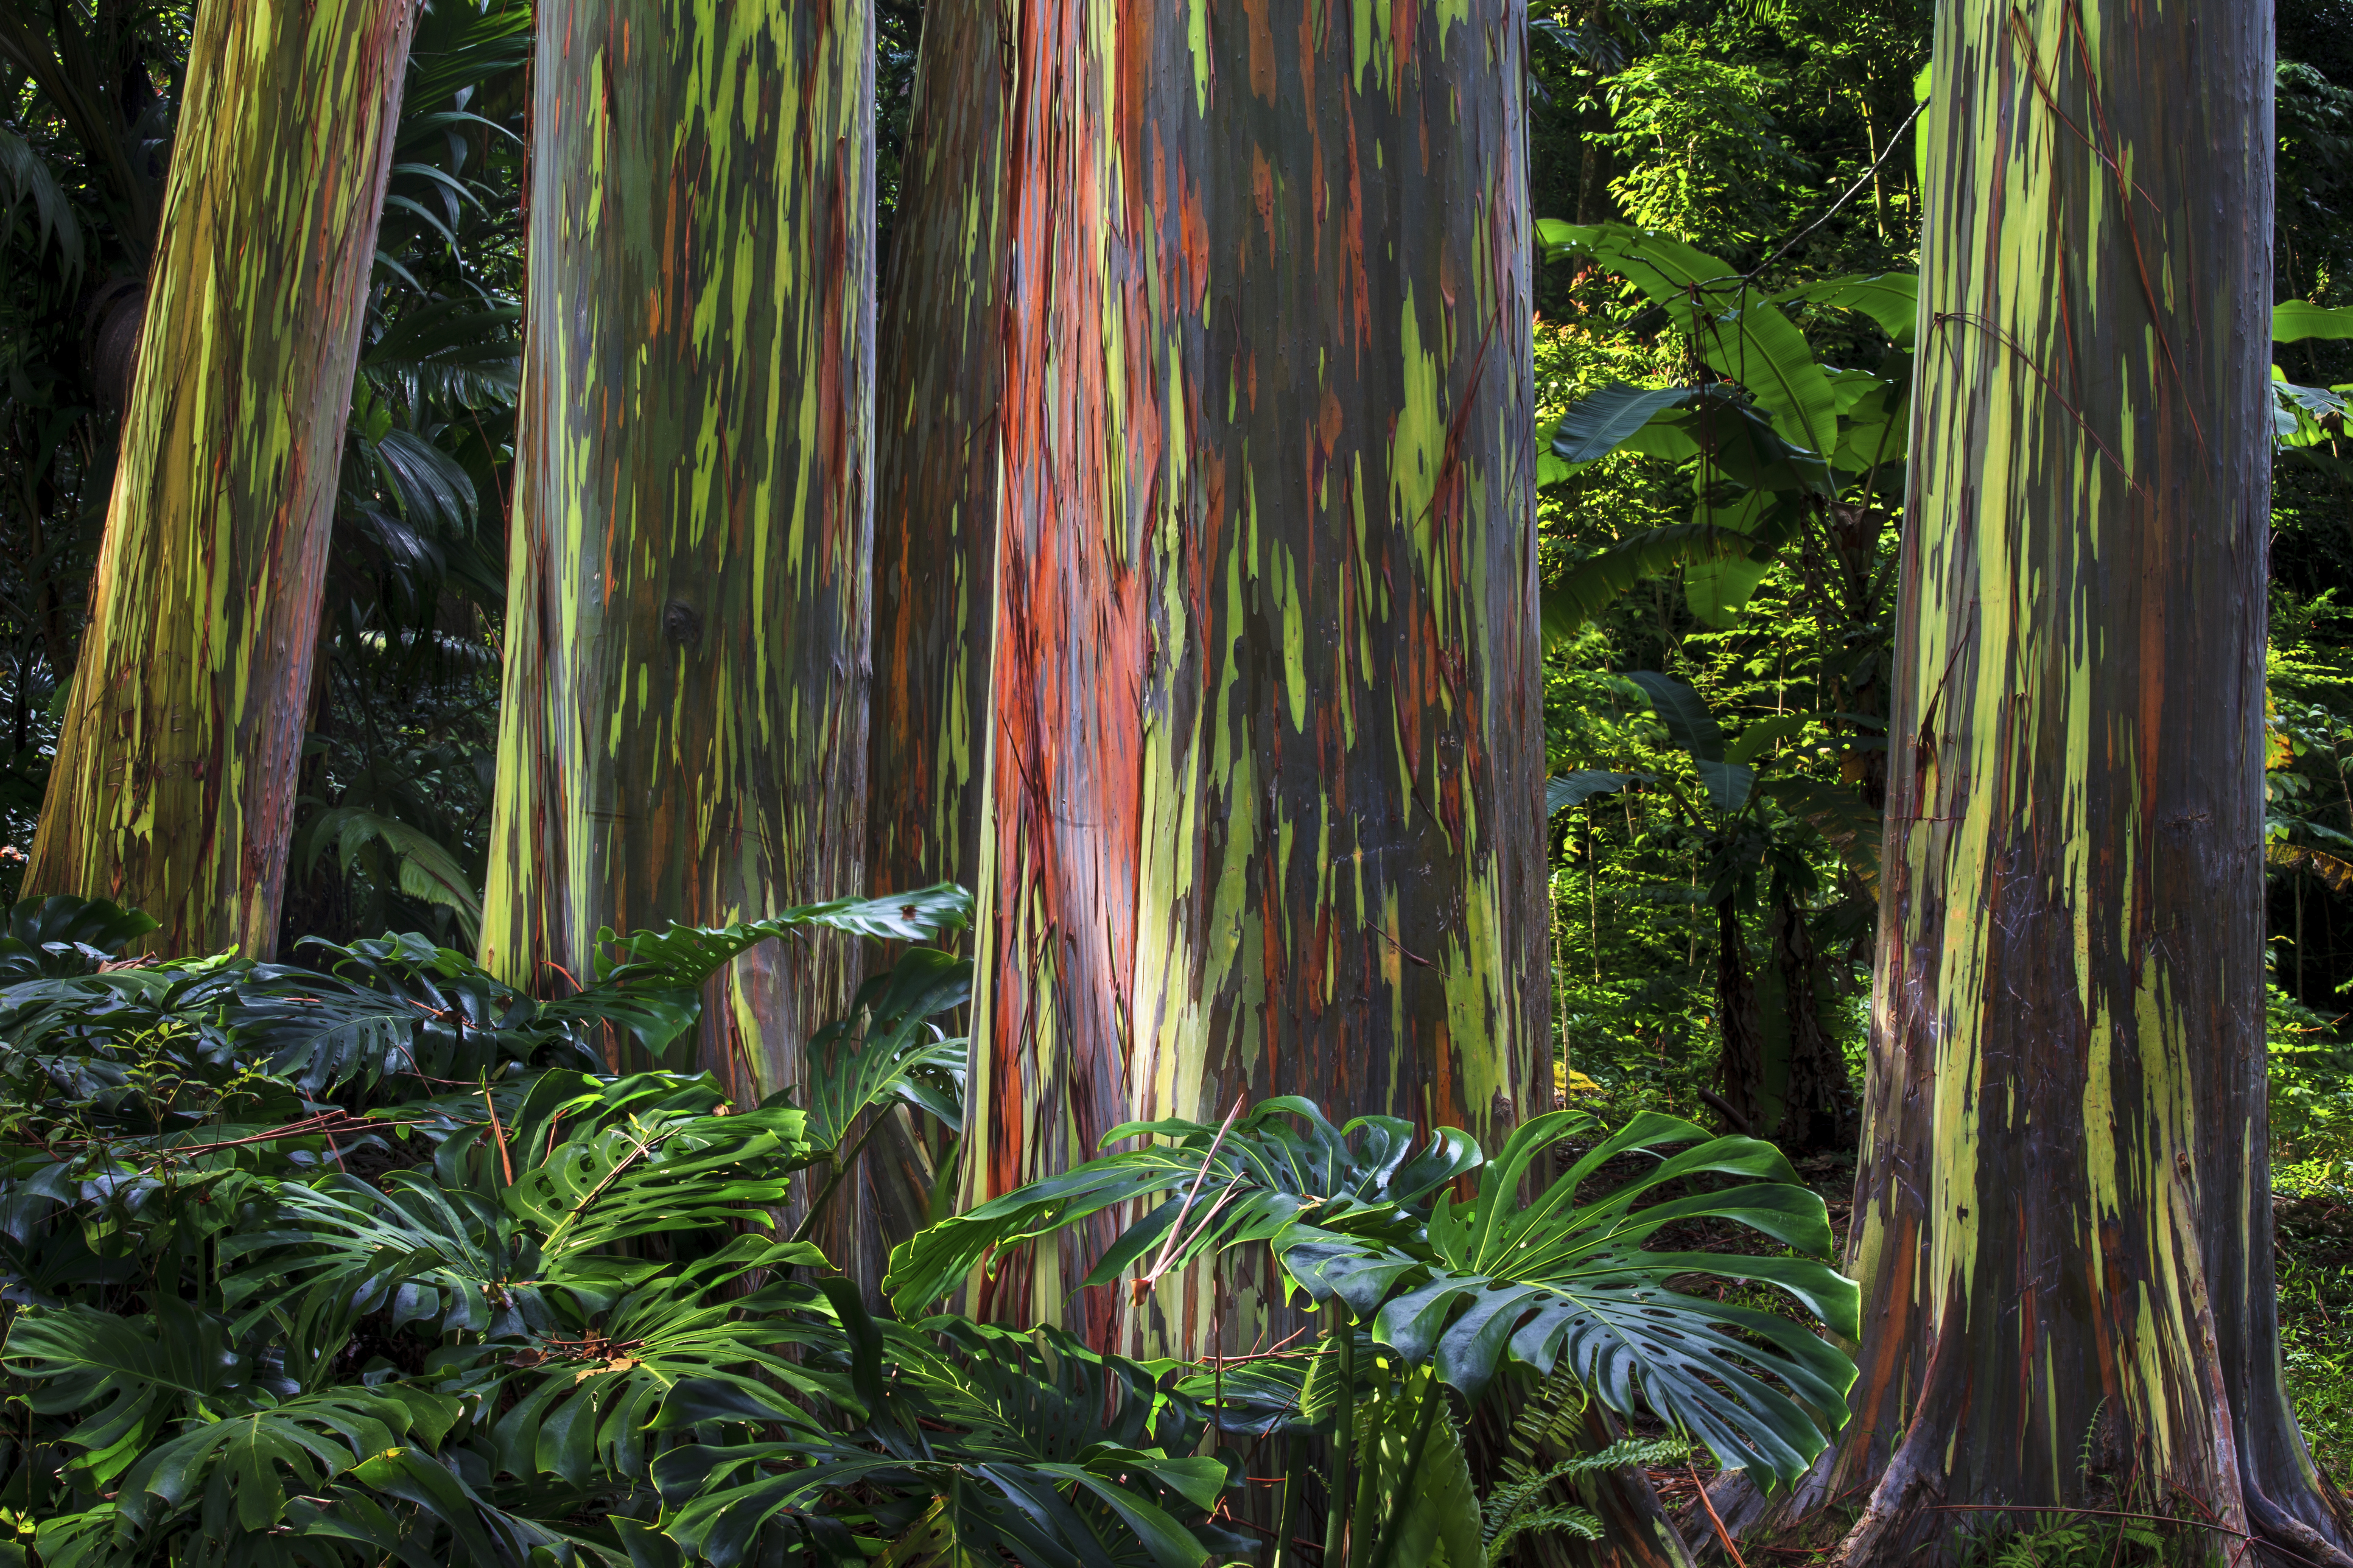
x,y
1294,1471
841,1165
1385,1545
1344,1436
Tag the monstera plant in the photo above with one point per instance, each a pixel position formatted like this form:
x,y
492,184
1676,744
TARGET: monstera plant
x,y
1427,1294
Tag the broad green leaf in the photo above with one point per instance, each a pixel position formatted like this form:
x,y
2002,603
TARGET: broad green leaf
x,y
1435,1518
1667,270
1853,387
1741,334
1563,791
1718,590
1757,347
427,870
1691,726
2298,320
1685,714
1736,440
1891,299
1590,587
1601,422
2307,416
887,1051
684,956
1850,824
24,174
1555,1282
1729,784
1031,1444
1278,1159
1765,734
63,935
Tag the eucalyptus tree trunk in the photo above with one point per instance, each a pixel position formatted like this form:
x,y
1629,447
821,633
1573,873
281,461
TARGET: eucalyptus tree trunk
x,y
2064,1217
683,729
1264,742
941,360
174,784
941,356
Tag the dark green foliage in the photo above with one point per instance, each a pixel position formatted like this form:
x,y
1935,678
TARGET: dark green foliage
x,y
1361,1215
327,1266
376,1263
1030,1443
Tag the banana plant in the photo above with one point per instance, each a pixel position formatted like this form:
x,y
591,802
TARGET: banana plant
x,y
1772,439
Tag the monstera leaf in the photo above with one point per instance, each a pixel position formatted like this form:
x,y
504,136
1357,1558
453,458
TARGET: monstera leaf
x,y
887,1050
1228,1185
683,1347
1557,1283
248,1466
669,1171
63,935
394,1004
682,957
509,1210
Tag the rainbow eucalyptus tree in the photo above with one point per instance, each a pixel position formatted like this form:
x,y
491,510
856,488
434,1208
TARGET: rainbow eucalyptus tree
x,y
173,784
2064,1216
683,731
1263,737
939,356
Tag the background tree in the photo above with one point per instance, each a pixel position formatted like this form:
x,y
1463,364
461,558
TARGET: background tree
x,y
1262,764
173,784
682,733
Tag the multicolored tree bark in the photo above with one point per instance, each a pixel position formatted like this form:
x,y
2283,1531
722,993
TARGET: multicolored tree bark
x,y
2063,1217
683,736
941,361
1264,746
173,785
940,356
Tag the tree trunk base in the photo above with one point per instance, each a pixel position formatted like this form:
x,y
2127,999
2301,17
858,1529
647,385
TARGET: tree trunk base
x,y
1907,1519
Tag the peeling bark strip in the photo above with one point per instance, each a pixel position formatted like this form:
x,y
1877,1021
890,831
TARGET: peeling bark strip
x,y
173,786
935,459
1265,748
2064,1208
683,732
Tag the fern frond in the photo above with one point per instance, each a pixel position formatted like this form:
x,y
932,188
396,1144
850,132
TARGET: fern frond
x,y
1568,1519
